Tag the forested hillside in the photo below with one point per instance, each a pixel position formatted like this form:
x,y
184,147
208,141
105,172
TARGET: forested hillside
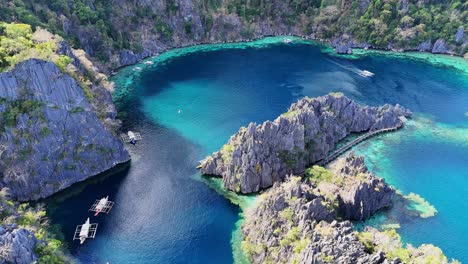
x,y
112,31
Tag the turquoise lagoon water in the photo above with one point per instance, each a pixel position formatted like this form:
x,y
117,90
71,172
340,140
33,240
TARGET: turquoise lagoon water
x,y
191,100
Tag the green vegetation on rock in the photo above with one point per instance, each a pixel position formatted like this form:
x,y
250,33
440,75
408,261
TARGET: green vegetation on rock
x,y
49,249
319,174
389,242
17,44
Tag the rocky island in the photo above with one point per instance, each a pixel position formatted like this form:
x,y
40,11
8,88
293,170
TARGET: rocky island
x,y
306,220
260,155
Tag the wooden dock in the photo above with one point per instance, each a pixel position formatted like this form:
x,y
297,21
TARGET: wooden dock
x,y
353,143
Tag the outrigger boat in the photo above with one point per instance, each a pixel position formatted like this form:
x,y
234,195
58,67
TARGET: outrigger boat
x,y
131,137
148,63
102,205
287,40
85,231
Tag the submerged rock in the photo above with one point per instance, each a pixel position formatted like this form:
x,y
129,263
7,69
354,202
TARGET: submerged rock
x,y
259,155
51,135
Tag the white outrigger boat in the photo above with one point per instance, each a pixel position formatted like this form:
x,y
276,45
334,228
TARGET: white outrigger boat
x,y
102,205
131,137
287,40
366,73
85,231
148,63
137,68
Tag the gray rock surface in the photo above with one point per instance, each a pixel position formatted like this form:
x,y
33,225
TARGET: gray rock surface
x,y
259,155
440,46
295,221
336,243
51,133
360,193
459,36
17,245
425,46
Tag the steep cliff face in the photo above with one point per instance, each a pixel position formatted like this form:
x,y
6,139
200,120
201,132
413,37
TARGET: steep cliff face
x,y
51,136
259,155
295,221
359,192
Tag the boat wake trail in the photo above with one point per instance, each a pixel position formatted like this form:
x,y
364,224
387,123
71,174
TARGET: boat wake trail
x,y
363,73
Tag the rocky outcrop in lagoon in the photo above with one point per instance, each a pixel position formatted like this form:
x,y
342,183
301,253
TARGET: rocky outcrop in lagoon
x,y
51,136
295,221
260,155
359,192
306,220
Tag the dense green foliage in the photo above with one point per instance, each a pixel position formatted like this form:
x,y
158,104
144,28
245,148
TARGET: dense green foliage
x,y
383,22
100,28
319,174
17,44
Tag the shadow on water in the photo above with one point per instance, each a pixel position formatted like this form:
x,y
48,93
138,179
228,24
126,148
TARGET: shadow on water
x,y
161,214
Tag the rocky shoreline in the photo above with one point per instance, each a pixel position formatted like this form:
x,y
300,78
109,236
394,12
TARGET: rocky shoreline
x,y
260,155
306,220
341,45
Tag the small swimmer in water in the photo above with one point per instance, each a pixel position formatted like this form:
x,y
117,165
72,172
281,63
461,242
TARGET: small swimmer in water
x,y
180,111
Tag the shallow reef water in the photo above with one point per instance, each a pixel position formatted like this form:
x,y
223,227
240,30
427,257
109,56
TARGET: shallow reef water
x,y
190,101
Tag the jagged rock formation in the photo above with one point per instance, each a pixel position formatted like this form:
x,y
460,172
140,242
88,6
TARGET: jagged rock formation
x,y
295,221
306,220
259,155
359,192
51,135
17,245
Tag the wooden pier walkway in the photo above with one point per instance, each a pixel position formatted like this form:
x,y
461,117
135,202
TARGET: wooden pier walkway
x,y
353,143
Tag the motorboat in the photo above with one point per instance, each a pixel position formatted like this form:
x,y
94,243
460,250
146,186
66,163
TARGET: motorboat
x,y
365,73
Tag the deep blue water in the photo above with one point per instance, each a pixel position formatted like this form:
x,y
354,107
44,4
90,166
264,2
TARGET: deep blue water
x,y
165,214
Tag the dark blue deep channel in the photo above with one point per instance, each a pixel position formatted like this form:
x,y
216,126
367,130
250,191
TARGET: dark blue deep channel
x,y
165,213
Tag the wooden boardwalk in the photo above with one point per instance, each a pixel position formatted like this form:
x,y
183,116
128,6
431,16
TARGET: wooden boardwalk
x,y
353,143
